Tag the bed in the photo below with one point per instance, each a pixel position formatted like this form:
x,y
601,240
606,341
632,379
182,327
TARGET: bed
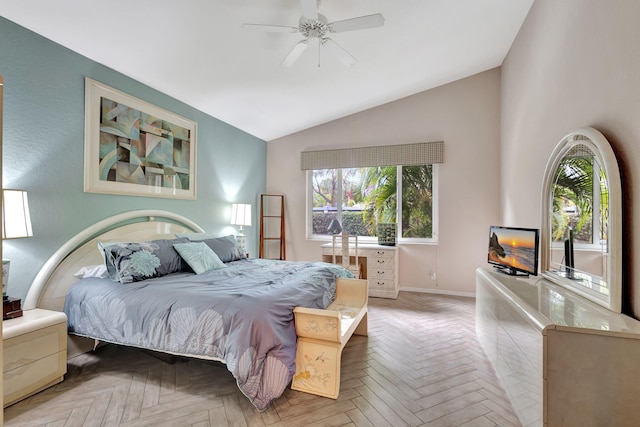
x,y
240,313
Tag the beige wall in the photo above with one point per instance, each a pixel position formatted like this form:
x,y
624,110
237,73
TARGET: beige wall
x,y
575,63
466,116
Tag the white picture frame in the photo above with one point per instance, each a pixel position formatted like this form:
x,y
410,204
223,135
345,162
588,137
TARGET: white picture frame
x,y
135,148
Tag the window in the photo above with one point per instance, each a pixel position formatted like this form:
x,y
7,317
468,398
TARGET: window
x,y
360,198
580,202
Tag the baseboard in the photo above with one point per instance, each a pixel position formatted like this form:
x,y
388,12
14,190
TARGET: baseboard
x,y
439,291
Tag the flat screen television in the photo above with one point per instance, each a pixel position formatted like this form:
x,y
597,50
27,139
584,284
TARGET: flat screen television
x,y
514,250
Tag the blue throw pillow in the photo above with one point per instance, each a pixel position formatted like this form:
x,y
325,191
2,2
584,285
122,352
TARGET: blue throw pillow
x,y
194,237
227,248
199,256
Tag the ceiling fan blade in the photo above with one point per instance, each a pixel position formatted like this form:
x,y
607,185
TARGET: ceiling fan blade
x,y
270,28
295,53
345,57
360,23
309,9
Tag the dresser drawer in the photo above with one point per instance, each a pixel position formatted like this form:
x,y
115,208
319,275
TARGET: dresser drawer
x,y
380,263
32,377
34,353
381,253
380,267
381,284
24,349
380,273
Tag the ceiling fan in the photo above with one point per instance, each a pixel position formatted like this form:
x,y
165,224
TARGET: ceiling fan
x,y
315,27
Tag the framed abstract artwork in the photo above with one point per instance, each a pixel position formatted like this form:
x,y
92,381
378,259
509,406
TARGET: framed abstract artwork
x,y
135,148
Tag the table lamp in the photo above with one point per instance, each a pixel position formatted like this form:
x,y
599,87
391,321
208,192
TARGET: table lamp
x,y
334,227
241,215
16,223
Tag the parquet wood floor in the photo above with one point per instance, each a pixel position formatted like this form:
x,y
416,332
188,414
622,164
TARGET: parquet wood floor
x,y
421,365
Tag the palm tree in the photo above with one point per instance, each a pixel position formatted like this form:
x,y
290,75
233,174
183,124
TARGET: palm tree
x,y
379,187
573,188
417,201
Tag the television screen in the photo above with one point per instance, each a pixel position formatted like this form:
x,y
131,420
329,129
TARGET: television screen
x,y
514,250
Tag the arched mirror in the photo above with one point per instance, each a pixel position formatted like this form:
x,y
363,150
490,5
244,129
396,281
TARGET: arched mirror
x,y
581,218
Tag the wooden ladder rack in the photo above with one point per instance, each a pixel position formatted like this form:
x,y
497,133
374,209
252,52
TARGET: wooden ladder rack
x,y
272,209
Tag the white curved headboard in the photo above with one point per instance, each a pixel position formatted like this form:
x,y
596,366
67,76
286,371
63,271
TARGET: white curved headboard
x,y
52,283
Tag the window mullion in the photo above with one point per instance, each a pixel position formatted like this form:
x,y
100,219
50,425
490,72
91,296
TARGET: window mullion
x,y
339,196
596,228
399,201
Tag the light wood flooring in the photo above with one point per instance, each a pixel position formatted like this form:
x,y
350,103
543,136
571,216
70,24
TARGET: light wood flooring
x,y
421,365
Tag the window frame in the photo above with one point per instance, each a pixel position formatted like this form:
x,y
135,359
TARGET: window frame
x,y
373,239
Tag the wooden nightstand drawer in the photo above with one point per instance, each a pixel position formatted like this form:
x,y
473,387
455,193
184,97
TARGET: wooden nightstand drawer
x,y
34,353
25,349
28,379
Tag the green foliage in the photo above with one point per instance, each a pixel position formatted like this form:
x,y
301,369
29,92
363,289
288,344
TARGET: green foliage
x,y
573,189
380,186
324,187
375,190
354,224
417,201
351,222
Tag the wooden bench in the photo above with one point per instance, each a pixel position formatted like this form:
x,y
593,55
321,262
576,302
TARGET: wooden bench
x,y
322,334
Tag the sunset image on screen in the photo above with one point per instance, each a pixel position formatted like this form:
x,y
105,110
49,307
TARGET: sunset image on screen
x,y
512,247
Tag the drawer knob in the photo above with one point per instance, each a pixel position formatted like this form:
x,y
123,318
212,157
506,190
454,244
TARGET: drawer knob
x,y
380,252
380,283
380,272
380,261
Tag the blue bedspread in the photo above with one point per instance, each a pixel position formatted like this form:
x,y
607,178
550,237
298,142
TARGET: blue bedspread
x,y
241,315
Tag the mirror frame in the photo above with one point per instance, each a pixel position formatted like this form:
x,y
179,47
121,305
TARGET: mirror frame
x,y
605,156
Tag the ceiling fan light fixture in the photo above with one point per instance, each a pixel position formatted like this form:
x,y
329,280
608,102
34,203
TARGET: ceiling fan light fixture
x,y
314,27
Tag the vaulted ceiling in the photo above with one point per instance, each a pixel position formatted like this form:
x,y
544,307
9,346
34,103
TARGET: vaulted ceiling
x,y
198,52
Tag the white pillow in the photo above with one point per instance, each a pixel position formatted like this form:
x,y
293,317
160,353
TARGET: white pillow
x,y
99,271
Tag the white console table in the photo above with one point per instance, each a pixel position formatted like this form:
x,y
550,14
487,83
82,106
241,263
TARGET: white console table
x,y
378,264
562,359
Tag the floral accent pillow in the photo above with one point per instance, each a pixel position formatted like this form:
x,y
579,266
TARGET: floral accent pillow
x,y
199,256
135,261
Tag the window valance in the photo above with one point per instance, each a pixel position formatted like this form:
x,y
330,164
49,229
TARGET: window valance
x,y
423,153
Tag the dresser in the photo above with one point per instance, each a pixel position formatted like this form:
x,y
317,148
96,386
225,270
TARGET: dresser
x,y
561,359
34,353
378,265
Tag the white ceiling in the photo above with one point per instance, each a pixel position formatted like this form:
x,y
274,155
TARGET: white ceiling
x,y
196,51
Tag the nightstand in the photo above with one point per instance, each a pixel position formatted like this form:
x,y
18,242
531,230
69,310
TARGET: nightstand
x,y
35,353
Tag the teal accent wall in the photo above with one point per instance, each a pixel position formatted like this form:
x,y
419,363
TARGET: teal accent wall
x,y
43,153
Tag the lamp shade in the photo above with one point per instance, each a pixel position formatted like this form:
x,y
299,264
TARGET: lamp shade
x,y
240,214
16,221
334,227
